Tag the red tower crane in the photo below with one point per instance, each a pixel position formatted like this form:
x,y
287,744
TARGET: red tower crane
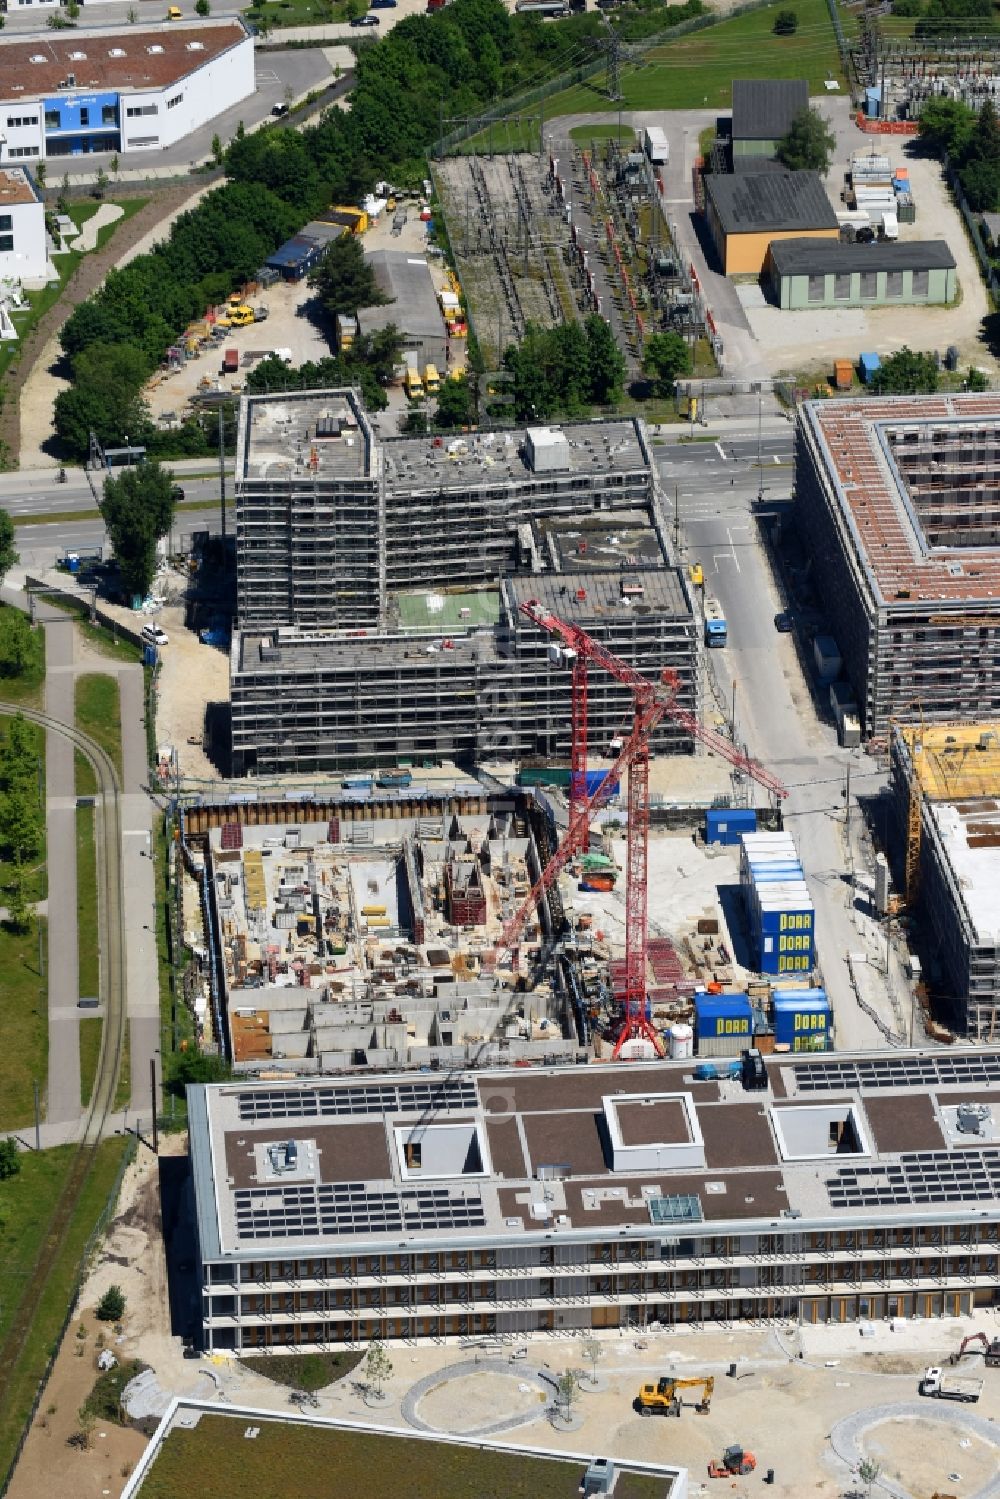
x,y
652,703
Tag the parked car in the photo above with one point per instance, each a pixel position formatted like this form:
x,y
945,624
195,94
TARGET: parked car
x,y
279,110
783,622
368,20
177,494
383,4
154,635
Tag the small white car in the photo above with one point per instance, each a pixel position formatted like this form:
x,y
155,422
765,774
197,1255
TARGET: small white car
x,y
154,635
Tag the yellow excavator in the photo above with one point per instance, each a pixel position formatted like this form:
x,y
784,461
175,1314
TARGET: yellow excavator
x,y
663,1398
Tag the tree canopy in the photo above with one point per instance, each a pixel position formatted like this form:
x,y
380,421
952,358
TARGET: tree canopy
x,y
971,142
138,508
809,144
344,278
9,556
666,357
905,373
565,369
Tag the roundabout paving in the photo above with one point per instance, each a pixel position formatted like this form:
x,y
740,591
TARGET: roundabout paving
x,y
479,1386
847,1440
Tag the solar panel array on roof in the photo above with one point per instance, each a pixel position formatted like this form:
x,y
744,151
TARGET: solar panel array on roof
x,y
899,1072
308,1211
932,1177
259,1104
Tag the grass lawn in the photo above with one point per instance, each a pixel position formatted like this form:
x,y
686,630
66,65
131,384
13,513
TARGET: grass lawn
x,y
90,1052
85,775
98,713
27,1204
24,1006
86,902
279,13
104,1402
305,1371
176,1020
331,1464
697,70
39,302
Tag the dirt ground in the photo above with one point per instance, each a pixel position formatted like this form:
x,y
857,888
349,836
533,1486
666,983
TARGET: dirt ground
x,y
191,676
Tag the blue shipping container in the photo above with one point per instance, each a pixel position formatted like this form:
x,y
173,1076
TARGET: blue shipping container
x,y
594,779
868,364
802,1019
723,1015
728,824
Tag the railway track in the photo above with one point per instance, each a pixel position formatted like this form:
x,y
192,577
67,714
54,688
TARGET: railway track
x,y
112,946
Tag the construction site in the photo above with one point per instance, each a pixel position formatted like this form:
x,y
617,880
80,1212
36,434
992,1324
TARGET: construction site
x,y
544,240
898,508
946,786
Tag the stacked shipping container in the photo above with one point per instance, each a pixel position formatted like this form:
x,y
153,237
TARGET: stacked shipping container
x,y
802,1019
780,913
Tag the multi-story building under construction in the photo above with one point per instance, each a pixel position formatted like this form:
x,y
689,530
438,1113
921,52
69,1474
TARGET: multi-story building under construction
x,y
946,781
898,501
379,585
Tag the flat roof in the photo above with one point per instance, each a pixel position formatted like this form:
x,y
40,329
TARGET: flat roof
x,y
125,60
15,187
584,596
854,440
599,542
561,1151
818,257
448,609
416,464
304,437
404,278
970,836
764,108
751,202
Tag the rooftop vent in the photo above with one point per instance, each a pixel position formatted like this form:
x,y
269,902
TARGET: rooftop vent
x,y
78,57
196,46
38,57
154,49
116,52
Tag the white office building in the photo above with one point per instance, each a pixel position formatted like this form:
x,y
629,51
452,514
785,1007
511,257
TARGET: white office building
x,y
72,94
23,254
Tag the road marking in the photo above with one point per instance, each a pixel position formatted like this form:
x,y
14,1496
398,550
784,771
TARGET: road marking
x,y
718,449
732,545
776,459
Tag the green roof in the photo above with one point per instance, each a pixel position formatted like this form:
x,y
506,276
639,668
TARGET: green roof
x,y
436,610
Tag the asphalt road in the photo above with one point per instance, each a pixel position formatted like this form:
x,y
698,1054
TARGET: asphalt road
x,y
42,494
775,717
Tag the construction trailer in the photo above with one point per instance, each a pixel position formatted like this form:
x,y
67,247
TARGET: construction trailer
x,y
898,505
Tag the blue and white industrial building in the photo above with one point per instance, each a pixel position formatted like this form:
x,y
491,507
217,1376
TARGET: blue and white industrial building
x,y
78,92
780,913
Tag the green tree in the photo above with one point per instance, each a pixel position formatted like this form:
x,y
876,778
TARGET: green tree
x,y
905,373
115,165
605,361
869,1472
980,179
9,556
985,141
101,183
17,642
193,1066
378,1365
976,380
593,1351
20,822
111,1307
138,508
10,1159
73,10
665,358
18,906
40,173
344,279
566,1393
946,125
455,406
786,23
809,144
202,8
218,154
104,398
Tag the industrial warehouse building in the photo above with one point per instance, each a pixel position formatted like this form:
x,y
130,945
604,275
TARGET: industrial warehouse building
x,y
946,786
373,627
556,1200
411,306
811,273
897,501
135,89
747,211
763,111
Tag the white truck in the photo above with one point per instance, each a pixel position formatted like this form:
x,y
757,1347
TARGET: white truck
x,y
656,145
950,1386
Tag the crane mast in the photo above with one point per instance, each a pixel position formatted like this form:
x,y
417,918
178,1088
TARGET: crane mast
x,y
652,702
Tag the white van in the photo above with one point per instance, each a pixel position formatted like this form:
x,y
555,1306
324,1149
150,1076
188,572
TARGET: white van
x,y
153,635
